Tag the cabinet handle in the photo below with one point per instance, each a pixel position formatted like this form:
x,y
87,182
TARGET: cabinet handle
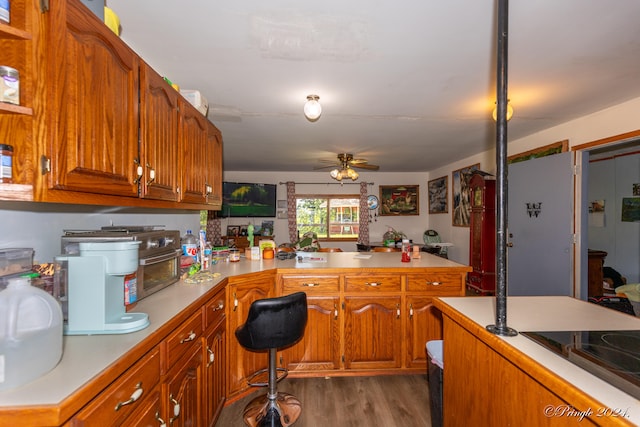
x,y
311,285
335,311
373,284
235,302
212,356
410,311
191,337
160,420
208,189
397,311
220,306
134,396
152,174
434,283
176,409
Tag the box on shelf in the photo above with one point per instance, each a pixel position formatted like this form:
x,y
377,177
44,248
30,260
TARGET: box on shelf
x,y
196,99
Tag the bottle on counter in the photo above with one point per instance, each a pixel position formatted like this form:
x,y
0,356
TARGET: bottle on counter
x,y
190,245
206,256
406,250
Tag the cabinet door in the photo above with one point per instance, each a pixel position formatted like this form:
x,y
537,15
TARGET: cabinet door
x,y
182,394
372,332
240,294
214,374
158,137
194,137
424,323
93,107
319,349
213,168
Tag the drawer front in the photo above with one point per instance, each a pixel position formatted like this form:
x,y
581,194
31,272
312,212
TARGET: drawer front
x,y
214,311
182,340
373,283
435,284
124,396
310,284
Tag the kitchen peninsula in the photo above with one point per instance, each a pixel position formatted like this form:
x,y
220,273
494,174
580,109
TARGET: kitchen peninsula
x,y
371,313
495,380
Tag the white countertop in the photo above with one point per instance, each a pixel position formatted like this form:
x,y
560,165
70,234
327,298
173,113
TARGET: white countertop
x,y
84,357
554,313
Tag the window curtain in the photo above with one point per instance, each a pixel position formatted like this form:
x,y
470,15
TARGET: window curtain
x,y
214,228
291,212
363,234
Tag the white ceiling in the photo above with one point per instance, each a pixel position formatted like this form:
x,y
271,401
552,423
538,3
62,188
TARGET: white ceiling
x,y
408,85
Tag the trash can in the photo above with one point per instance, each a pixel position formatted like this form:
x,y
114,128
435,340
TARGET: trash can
x,y
436,364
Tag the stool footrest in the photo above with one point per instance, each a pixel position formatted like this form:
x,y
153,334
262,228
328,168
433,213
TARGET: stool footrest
x,y
250,381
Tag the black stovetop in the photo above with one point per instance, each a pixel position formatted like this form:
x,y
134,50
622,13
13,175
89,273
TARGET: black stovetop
x,y
613,356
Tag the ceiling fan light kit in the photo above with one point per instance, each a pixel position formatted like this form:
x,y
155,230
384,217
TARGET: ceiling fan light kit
x,y
509,111
346,163
339,175
312,108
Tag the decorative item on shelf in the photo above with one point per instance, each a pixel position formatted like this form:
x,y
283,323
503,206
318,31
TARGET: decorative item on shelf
x,y
312,108
509,111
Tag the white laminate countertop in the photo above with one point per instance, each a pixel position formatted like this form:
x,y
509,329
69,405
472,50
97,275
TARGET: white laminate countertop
x,y
84,357
556,313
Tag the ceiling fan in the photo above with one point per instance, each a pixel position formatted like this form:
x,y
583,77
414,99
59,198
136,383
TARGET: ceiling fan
x,y
345,164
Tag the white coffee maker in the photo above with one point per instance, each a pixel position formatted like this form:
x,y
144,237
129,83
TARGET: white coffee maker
x,y
92,288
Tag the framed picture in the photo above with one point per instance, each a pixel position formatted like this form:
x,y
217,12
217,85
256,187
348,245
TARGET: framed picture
x,y
438,189
244,230
399,200
233,230
461,212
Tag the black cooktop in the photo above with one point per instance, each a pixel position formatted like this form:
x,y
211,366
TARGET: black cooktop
x,y
613,356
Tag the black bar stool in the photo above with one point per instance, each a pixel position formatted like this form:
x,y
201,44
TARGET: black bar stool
x,y
271,324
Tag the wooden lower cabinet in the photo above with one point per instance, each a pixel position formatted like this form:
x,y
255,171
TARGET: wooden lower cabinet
x,y
372,332
120,402
241,292
182,390
148,412
424,323
319,349
215,371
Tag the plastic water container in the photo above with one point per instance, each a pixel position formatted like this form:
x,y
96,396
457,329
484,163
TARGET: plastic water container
x,y
30,333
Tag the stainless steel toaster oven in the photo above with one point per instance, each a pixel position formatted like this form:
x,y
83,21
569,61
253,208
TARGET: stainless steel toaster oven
x,y
158,256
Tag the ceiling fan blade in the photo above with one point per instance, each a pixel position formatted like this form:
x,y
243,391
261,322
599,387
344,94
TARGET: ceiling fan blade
x,y
358,161
325,167
366,166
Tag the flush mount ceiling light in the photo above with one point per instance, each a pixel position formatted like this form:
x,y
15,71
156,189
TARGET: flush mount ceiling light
x,y
346,172
509,111
312,108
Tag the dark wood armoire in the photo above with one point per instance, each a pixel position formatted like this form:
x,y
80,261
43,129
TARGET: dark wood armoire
x,y
482,242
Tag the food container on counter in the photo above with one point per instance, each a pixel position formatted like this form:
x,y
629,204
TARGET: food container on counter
x,y
14,261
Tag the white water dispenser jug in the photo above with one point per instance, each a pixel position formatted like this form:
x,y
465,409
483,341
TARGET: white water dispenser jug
x,y
30,333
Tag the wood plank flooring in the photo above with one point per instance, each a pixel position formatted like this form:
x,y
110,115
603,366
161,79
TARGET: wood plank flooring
x,y
380,401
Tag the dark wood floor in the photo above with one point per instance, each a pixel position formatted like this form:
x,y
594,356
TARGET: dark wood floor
x,y
381,401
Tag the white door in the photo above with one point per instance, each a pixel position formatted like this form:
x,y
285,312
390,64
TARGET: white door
x,y
540,226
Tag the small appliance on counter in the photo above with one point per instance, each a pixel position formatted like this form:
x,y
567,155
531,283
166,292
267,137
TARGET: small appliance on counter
x,y
92,288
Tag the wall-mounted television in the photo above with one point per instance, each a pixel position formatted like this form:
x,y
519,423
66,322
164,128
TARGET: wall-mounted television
x,y
241,199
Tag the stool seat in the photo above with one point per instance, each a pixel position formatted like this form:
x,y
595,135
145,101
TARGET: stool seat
x,y
272,324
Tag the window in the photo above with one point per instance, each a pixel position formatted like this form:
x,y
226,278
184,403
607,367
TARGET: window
x,y
330,217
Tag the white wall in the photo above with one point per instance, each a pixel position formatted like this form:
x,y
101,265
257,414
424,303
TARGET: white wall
x,y
40,225
412,225
611,180
613,121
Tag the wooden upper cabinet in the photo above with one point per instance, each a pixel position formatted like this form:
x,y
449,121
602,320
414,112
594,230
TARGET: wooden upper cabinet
x,y
93,107
158,136
213,168
194,137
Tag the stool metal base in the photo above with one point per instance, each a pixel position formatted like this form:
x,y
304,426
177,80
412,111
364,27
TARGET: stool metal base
x,y
282,411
